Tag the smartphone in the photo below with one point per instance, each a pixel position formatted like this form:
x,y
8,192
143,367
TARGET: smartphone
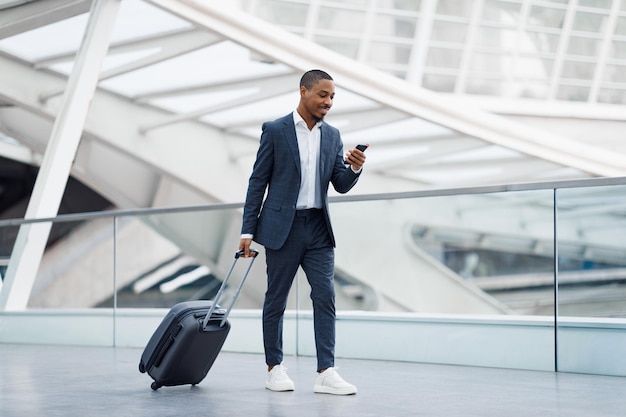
x,y
362,148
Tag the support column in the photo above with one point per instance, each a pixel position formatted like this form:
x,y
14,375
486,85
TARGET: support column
x,y
60,153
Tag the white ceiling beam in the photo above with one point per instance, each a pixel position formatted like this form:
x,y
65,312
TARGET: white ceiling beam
x,y
364,119
221,106
27,15
168,46
417,155
276,81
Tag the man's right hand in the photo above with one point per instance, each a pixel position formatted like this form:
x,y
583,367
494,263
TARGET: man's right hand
x,y
244,245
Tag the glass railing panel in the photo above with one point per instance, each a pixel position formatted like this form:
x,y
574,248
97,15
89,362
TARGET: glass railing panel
x,y
182,255
591,279
592,252
8,234
463,254
76,270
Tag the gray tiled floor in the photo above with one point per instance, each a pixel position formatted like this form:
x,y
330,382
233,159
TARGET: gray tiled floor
x,y
95,381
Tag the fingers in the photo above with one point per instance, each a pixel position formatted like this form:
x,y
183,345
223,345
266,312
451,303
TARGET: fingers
x,y
356,158
244,245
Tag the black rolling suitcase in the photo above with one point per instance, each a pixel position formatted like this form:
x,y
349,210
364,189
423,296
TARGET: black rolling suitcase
x,y
186,343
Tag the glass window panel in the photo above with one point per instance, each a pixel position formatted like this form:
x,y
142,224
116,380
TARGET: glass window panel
x,y
578,70
537,89
347,47
402,74
583,46
533,67
543,42
572,93
443,58
620,28
504,13
546,17
600,4
496,38
281,13
362,3
388,53
618,50
402,53
615,73
589,22
454,8
341,20
612,96
449,32
395,26
407,5
484,86
440,83
488,63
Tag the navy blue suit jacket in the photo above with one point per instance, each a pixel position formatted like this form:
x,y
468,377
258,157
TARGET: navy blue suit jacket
x,y
277,169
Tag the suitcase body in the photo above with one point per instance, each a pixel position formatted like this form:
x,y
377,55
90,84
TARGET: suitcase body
x,y
181,351
185,345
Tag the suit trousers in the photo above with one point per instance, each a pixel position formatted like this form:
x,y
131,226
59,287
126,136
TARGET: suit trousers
x,y
308,245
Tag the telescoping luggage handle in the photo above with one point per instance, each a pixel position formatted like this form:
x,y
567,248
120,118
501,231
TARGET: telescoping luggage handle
x,y
238,254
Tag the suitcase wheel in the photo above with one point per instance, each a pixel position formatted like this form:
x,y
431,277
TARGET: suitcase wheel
x,y
142,367
155,386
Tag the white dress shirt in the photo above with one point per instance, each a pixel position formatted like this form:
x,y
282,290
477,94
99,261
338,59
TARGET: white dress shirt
x,y
309,148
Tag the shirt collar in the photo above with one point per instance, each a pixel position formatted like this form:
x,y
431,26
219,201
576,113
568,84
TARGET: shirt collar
x,y
297,119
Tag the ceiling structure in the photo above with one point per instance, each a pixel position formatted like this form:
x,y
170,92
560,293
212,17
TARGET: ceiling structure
x,y
175,63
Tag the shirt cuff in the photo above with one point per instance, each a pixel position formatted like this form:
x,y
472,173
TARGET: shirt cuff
x,y
247,235
358,171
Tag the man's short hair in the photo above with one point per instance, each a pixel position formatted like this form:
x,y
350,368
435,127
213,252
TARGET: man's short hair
x,y
312,77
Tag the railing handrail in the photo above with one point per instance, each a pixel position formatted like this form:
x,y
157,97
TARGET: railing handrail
x,y
431,192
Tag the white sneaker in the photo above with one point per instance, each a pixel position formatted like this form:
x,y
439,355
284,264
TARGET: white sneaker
x,y
278,380
330,382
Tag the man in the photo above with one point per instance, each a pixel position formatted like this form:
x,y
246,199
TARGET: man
x,y
299,156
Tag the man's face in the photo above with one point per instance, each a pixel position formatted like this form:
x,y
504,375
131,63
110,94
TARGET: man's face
x,y
319,99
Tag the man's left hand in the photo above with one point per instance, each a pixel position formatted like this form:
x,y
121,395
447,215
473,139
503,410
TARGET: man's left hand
x,y
356,158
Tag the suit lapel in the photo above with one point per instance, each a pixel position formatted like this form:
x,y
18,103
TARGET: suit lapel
x,y
292,140
325,153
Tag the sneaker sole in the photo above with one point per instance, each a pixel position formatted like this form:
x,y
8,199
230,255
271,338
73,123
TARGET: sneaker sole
x,y
321,389
280,388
